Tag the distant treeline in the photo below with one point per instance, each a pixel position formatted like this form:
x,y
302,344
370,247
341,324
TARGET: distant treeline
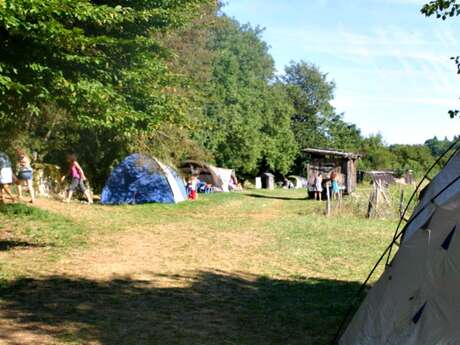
x,y
401,158
174,78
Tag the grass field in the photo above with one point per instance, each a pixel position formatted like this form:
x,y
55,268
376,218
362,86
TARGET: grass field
x,y
241,269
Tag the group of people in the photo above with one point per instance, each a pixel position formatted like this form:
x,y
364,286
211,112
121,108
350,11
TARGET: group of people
x,y
195,186
318,187
22,177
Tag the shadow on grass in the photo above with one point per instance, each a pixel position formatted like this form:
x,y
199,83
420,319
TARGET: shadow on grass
x,y
262,196
206,308
6,245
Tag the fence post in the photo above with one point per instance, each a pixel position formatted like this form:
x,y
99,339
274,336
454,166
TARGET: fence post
x,y
371,208
340,198
328,201
401,202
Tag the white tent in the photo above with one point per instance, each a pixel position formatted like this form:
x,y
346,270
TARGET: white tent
x,y
417,299
225,176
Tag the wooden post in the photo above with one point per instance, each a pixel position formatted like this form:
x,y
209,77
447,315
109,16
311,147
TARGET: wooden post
x,y
328,201
340,198
377,196
371,208
401,202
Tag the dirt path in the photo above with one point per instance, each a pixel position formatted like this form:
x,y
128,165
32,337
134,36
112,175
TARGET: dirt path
x,y
187,244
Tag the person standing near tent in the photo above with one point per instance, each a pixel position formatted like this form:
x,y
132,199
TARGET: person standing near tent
x,y
318,186
6,177
78,179
24,175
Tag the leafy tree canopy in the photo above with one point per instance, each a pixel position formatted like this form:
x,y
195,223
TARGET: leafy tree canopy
x,y
74,66
246,118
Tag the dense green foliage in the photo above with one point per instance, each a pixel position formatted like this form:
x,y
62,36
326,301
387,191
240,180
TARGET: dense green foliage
x,y
311,94
438,147
241,115
401,158
248,118
174,78
395,157
315,122
86,74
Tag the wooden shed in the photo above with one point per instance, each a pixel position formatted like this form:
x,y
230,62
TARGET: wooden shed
x,y
325,161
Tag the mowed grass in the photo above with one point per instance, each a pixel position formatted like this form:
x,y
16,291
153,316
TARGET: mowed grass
x,y
241,268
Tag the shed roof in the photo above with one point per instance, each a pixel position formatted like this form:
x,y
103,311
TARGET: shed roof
x,y
331,152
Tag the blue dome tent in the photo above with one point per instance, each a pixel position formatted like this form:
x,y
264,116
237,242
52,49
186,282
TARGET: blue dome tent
x,y
140,179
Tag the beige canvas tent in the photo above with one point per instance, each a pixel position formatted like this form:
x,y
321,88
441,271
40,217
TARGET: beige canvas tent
x,y
417,299
220,178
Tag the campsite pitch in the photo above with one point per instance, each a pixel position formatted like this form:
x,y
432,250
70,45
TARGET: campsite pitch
x,y
240,268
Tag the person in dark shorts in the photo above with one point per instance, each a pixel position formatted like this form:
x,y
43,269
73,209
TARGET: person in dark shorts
x,y
78,179
24,175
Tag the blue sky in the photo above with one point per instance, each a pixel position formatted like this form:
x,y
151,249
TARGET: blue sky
x,y
391,65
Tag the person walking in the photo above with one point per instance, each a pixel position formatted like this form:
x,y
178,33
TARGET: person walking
x,y
24,175
78,179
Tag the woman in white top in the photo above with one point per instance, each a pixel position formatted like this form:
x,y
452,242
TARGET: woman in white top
x,y
318,186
